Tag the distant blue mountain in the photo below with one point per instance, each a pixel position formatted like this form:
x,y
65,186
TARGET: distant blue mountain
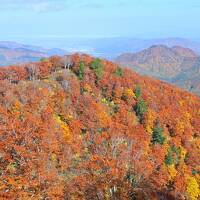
x,y
109,48
14,53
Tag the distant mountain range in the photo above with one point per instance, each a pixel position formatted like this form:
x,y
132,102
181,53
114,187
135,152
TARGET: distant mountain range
x,y
174,60
112,47
14,53
102,47
177,65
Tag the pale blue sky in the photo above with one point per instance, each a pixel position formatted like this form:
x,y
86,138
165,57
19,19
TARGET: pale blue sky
x,y
92,18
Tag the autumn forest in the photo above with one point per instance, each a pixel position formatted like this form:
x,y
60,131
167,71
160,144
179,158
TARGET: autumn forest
x,y
82,128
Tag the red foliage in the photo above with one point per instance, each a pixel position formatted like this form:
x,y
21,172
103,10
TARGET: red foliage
x,y
65,138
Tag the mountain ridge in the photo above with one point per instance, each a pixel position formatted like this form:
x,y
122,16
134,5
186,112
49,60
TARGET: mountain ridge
x,y
16,53
165,63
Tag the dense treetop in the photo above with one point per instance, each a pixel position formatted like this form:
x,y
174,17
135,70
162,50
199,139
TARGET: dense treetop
x,y
83,128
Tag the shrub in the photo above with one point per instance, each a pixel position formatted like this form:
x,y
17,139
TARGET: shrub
x,y
81,71
157,136
43,59
138,92
119,72
97,66
140,108
173,156
169,159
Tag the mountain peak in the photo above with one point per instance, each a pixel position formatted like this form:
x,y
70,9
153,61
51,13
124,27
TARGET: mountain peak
x,y
185,52
165,63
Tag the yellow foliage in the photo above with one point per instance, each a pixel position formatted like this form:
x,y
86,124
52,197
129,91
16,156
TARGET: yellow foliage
x,y
103,100
69,117
11,167
53,157
149,121
87,88
16,106
104,118
64,127
187,116
181,102
46,80
172,171
180,126
183,153
129,93
66,131
193,188
108,103
112,103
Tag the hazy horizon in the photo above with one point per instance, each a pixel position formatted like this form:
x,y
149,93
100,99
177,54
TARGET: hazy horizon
x,y
65,42
23,20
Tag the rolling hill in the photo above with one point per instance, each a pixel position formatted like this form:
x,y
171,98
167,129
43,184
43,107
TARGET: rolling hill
x,y
96,131
15,53
176,65
104,47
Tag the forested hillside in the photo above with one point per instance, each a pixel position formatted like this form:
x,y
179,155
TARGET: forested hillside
x,y
83,128
177,65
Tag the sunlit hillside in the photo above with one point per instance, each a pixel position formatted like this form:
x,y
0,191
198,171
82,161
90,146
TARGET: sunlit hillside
x,y
81,128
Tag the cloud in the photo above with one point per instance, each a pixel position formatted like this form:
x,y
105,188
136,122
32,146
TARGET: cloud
x,y
35,5
54,5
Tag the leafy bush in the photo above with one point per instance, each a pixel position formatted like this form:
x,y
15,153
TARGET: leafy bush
x,y
157,136
119,72
81,71
173,156
140,108
138,92
97,66
43,59
169,159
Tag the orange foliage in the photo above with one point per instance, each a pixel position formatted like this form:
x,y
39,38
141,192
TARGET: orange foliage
x,y
65,138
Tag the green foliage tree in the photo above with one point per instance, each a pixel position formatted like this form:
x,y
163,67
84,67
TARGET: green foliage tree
x,y
169,159
81,71
157,136
43,59
138,92
119,72
97,66
173,156
140,108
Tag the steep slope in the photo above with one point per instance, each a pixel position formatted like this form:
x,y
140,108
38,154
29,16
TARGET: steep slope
x,y
95,131
189,78
157,60
169,64
184,52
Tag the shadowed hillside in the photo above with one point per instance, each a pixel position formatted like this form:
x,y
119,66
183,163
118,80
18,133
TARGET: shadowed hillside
x,y
176,65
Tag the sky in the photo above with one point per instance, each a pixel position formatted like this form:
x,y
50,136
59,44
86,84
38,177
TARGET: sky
x,y
25,19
